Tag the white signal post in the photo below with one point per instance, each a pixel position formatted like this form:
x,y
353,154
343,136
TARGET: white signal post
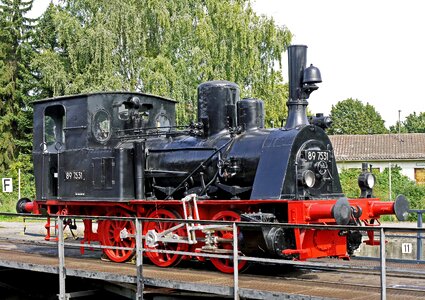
x,y
19,184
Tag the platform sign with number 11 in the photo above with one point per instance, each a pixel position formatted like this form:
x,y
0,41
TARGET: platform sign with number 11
x,y
406,248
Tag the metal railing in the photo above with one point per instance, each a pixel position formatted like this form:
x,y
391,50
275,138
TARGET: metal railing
x,y
419,236
235,256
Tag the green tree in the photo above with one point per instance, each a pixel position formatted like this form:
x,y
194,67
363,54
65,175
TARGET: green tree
x,y
351,116
23,163
50,61
398,126
16,80
414,123
161,47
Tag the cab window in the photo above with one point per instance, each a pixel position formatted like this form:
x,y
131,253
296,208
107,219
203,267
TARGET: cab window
x,y
102,126
54,122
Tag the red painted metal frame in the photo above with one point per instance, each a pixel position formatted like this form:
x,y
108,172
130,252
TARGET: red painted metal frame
x,y
309,243
312,243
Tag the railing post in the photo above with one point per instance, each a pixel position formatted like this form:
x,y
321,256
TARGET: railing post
x,y
419,237
61,254
25,225
139,259
235,263
383,266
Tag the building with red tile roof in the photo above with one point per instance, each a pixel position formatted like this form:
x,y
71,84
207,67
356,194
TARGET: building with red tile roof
x,y
406,150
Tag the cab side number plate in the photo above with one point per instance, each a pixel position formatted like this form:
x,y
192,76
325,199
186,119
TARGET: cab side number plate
x,y
74,176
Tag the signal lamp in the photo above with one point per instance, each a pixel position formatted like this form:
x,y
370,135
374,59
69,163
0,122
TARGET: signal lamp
x,y
366,180
366,183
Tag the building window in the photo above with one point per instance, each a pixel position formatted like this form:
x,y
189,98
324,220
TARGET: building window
x,y
420,175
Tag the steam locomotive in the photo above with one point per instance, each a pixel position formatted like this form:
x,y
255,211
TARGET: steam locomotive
x,y
121,154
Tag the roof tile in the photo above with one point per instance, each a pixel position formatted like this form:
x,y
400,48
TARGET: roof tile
x,y
379,146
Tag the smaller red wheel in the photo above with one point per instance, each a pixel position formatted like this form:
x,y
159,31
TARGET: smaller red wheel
x,y
109,235
226,265
165,259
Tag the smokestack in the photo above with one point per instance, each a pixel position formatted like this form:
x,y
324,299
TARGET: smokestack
x,y
301,83
297,57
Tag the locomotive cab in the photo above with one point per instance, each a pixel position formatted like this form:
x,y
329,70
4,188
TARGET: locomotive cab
x,y
78,151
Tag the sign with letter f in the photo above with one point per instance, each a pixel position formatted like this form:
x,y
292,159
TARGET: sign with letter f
x,y
7,185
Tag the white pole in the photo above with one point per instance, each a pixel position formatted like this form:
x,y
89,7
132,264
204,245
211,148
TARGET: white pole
x,y
61,253
389,181
383,265
235,263
19,184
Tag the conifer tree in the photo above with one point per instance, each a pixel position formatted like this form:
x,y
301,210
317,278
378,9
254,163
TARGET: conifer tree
x,y
16,80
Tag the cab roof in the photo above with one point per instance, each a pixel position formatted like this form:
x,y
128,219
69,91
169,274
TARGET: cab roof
x,y
66,97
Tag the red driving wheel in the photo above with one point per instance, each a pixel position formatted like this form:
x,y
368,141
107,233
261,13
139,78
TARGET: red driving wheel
x,y
109,235
165,259
226,265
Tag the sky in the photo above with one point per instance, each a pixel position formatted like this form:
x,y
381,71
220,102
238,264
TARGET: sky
x,y
370,50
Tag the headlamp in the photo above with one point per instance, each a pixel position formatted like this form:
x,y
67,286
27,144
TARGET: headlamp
x,y
308,178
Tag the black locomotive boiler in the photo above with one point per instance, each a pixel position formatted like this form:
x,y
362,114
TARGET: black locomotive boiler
x,y
121,154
